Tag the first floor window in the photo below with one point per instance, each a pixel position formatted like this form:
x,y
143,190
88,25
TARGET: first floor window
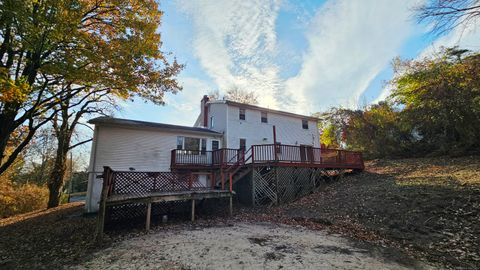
x,y
180,142
204,146
215,145
278,148
192,145
243,144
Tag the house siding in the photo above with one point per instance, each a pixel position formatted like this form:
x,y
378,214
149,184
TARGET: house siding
x,y
123,148
288,129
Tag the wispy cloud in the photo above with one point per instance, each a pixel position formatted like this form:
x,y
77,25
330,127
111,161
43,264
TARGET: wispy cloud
x,y
235,42
350,42
465,37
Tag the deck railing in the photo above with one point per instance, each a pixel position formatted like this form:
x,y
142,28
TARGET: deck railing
x,y
220,157
268,153
141,183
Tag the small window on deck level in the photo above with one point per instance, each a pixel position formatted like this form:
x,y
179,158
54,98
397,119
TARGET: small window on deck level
x,y
243,144
305,124
204,146
241,114
214,145
179,143
264,117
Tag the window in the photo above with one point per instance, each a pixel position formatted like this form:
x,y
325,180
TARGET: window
x,y
204,146
179,143
241,114
211,121
305,124
192,146
243,144
278,147
264,117
214,145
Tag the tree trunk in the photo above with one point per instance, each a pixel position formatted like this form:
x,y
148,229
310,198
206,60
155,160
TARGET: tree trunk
x,y
7,120
55,181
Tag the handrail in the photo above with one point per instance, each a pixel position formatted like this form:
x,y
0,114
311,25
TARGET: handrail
x,y
228,159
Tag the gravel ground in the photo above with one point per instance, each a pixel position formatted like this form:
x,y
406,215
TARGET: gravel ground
x,y
240,246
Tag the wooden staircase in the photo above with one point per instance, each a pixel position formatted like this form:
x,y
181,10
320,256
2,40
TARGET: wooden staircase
x,y
237,170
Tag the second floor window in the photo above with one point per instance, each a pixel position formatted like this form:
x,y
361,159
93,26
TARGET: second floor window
x,y
305,124
264,117
241,114
211,121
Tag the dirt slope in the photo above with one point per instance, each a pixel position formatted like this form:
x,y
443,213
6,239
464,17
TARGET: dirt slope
x,y
428,207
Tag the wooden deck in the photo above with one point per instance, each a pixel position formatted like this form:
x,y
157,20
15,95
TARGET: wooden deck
x,y
274,154
153,197
134,187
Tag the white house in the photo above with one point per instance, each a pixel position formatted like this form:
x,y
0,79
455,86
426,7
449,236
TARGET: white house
x,y
127,145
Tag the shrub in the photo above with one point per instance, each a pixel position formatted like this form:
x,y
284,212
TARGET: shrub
x,y
21,199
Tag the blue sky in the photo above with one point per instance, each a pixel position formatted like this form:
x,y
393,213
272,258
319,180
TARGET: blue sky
x,y
299,56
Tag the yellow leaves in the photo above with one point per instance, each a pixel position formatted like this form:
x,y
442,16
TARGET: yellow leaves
x,y
12,91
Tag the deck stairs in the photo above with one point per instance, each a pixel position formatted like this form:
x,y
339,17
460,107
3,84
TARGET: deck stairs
x,y
239,169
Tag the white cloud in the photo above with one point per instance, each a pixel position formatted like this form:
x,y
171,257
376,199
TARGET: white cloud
x,y
235,42
350,42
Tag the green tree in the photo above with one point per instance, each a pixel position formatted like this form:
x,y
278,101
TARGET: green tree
x,y
88,44
440,98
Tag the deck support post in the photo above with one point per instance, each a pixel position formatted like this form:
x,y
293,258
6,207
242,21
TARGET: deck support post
x,y
103,204
231,205
149,215
193,210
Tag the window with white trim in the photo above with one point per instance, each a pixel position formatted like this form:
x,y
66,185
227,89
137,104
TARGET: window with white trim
x,y
264,117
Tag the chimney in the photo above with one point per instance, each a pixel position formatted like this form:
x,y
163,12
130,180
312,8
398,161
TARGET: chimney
x,y
204,110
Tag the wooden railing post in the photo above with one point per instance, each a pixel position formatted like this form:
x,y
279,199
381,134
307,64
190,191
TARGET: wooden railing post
x,y
172,158
190,182
223,179
107,175
231,181
212,180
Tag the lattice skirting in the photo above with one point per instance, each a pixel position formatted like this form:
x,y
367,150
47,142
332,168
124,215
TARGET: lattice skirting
x,y
127,215
278,185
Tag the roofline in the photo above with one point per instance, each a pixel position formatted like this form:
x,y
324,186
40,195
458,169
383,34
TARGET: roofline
x,y
255,107
107,121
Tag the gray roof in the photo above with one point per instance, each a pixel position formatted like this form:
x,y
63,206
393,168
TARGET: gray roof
x,y
143,124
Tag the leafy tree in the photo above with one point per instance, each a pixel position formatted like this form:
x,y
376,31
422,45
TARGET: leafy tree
x,y
88,44
441,100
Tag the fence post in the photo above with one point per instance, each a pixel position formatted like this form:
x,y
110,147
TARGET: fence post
x,y
107,174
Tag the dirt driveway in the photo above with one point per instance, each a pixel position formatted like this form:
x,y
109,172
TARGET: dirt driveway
x,y
241,246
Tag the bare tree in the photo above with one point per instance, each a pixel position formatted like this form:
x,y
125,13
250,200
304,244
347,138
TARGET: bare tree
x,y
445,15
235,94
